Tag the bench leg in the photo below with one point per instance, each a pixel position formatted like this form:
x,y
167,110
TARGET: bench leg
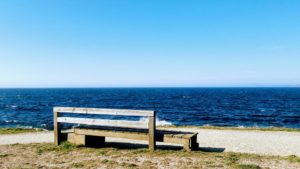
x,y
76,139
186,145
152,143
151,135
190,144
194,144
85,140
57,129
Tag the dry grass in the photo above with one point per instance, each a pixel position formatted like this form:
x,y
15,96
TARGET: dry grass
x,y
24,130
237,128
18,130
71,156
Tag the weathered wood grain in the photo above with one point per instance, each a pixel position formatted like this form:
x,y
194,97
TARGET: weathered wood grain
x,y
152,128
57,130
119,112
101,122
188,140
107,133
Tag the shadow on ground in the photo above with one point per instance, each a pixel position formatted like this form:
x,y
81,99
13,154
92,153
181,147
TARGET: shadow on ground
x,y
159,147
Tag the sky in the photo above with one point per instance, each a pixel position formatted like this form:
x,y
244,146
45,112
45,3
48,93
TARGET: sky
x,y
155,43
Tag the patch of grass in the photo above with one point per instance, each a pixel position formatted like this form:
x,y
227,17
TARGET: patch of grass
x,y
67,146
231,159
138,151
18,130
3,155
252,156
63,147
101,152
78,165
237,128
293,159
128,165
106,161
247,166
148,163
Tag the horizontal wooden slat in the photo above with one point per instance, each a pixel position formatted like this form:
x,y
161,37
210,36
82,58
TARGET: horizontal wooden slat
x,y
107,133
121,112
168,138
101,122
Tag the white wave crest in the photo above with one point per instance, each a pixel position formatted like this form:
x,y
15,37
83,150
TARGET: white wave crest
x,y
13,106
11,121
158,121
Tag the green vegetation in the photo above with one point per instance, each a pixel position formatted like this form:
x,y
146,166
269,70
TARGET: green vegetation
x,y
18,130
24,130
293,159
3,155
248,166
236,128
128,165
101,152
64,147
231,159
78,165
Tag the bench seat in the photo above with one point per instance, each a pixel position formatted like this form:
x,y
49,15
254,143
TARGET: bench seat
x,y
84,135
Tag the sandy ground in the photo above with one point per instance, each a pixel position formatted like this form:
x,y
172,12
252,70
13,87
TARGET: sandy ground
x,y
257,142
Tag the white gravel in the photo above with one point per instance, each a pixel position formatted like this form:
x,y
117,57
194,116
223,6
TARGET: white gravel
x,y
26,138
257,142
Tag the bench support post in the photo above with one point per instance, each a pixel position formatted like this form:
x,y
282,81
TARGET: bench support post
x,y
191,144
57,130
151,135
86,140
194,144
186,145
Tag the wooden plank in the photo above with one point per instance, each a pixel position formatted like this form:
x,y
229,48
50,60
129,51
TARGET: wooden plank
x,y
152,128
120,112
57,130
108,133
100,122
190,135
187,145
76,139
175,140
178,135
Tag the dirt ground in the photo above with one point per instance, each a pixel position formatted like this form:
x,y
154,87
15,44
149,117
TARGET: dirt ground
x,y
116,155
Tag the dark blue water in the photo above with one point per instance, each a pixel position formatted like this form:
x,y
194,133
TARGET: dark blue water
x,y
261,107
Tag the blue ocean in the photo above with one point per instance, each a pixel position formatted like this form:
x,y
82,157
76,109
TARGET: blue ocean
x,y
248,107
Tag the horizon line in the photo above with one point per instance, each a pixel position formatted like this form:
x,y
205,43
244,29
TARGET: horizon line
x,y
86,87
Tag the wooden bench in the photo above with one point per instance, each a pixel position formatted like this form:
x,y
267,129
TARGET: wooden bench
x,y
95,130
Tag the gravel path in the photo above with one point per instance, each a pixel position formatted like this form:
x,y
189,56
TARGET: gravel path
x,y
257,142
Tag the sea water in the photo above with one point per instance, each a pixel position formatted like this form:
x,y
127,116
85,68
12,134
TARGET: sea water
x,y
248,107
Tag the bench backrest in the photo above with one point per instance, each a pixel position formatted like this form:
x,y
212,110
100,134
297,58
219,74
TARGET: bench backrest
x,y
101,122
104,122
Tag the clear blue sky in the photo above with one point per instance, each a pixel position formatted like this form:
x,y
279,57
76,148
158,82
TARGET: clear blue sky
x,y
149,43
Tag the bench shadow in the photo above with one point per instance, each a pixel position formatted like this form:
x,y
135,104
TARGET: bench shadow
x,y
140,146
159,147
211,149
119,145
